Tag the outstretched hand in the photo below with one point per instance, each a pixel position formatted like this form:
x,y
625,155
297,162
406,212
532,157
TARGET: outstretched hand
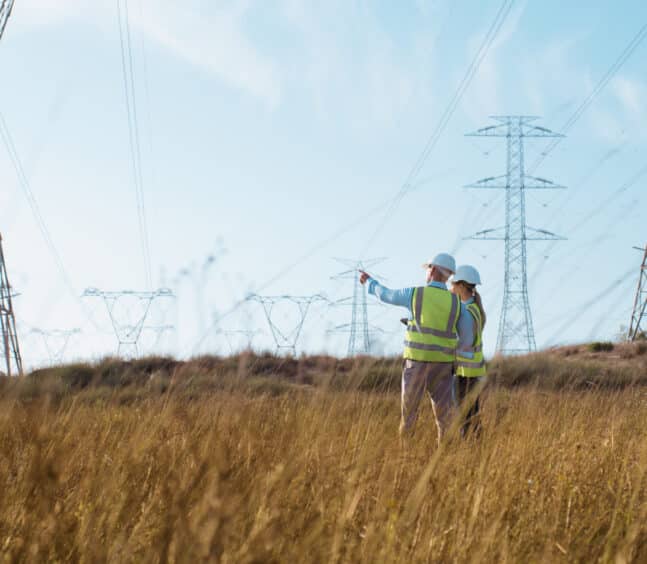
x,y
363,277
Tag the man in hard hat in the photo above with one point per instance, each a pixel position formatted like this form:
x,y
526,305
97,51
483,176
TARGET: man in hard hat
x,y
470,364
437,324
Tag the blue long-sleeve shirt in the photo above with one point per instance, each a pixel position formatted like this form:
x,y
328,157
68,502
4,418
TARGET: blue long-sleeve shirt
x,y
404,298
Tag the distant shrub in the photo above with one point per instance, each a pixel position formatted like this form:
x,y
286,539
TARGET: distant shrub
x,y
569,351
547,372
600,346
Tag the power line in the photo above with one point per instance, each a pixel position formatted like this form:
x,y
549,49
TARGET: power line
x,y
615,67
624,187
581,309
473,68
133,132
33,204
409,183
347,228
629,183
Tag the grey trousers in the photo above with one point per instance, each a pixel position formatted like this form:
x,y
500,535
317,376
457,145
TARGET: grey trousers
x,y
437,379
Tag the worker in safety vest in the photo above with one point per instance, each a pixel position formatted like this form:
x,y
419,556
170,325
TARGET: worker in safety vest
x,y
470,364
437,324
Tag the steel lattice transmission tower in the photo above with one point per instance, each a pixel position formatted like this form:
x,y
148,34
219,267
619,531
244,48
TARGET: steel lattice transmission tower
x,y
359,340
12,356
636,329
56,342
128,324
286,335
5,12
516,334
11,349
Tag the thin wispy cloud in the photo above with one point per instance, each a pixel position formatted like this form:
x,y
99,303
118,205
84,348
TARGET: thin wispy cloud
x,y
631,95
353,62
484,96
216,42
208,38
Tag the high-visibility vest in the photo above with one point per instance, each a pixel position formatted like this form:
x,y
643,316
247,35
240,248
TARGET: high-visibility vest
x,y
472,367
432,334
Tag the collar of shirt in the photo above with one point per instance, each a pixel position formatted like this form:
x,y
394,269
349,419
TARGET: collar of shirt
x,y
468,301
440,285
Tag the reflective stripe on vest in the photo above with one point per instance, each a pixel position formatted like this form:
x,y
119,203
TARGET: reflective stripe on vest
x,y
472,367
423,347
432,333
467,364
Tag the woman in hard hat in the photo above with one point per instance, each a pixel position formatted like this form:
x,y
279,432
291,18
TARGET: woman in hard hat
x,y
470,365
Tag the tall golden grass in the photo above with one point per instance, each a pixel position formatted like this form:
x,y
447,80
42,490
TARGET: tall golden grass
x,y
303,473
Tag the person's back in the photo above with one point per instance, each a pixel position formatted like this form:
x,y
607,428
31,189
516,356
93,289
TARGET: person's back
x,y
430,343
432,332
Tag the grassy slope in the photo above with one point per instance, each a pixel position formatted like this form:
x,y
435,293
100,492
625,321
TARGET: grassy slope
x,y
262,459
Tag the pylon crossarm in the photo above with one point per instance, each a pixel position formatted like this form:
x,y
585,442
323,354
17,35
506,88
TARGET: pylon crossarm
x,y
503,129
541,184
91,293
533,234
496,234
537,131
491,183
489,131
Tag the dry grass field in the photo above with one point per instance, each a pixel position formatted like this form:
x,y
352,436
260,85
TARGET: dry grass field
x,y
255,459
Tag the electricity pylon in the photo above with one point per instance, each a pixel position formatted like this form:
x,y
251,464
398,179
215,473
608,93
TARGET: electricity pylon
x,y
128,326
12,357
56,342
235,335
359,340
636,330
516,334
11,349
284,338
5,12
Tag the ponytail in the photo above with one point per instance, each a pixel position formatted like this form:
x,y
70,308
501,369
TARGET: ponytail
x,y
479,303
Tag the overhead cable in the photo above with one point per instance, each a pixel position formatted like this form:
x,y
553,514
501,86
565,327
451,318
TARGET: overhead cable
x,y
613,69
133,132
472,69
38,216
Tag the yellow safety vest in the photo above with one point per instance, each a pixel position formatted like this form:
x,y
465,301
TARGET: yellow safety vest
x,y
432,334
472,367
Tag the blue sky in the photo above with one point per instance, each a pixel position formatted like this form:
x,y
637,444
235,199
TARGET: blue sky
x,y
267,127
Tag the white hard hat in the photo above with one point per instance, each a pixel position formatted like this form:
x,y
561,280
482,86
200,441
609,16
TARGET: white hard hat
x,y
468,274
443,260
